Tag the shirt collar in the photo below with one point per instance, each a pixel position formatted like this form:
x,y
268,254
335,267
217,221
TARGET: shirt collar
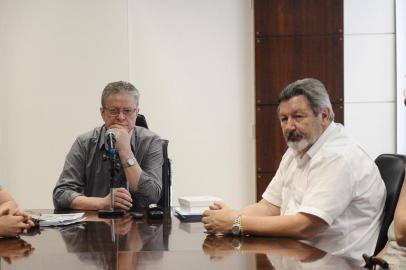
x,y
321,140
317,145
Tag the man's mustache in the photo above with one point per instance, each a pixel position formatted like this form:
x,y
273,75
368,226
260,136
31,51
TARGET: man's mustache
x,y
294,136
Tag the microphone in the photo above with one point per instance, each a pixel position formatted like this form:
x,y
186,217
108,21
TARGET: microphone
x,y
111,141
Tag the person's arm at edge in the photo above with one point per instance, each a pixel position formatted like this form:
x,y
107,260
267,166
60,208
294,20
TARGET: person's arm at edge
x,y
7,201
9,206
400,217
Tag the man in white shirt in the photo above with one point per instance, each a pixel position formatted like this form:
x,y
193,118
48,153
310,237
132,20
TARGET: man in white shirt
x,y
327,190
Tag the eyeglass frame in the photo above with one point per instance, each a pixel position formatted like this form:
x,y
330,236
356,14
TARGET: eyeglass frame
x,y
113,111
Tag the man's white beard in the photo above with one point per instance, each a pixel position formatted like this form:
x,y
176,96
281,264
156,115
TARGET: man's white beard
x,y
300,145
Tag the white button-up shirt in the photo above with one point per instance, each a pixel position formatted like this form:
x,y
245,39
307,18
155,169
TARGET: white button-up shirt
x,y
338,182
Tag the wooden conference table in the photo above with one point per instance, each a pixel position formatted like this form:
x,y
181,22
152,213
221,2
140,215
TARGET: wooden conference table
x,y
155,244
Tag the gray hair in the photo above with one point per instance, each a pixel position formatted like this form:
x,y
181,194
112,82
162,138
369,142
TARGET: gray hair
x,y
313,90
118,88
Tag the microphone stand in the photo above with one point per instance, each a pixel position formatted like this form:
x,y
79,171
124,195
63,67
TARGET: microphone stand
x,y
112,212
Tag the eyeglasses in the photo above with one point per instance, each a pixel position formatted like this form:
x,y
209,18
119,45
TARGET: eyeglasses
x,y
116,111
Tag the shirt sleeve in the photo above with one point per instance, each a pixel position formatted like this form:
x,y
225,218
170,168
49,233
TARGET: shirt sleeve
x,y
71,181
273,192
330,189
150,183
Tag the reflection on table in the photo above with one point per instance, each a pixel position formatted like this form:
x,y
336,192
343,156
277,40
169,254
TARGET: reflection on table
x,y
112,244
156,244
275,253
12,249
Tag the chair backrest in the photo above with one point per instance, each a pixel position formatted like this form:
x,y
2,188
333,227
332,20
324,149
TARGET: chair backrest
x,y
392,169
165,200
141,121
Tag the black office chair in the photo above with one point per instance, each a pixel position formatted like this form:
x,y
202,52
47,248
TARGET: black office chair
x,y
141,121
165,200
392,169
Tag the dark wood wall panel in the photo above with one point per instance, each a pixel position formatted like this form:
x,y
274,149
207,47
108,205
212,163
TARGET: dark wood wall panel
x,y
338,109
263,180
294,39
270,143
282,60
297,17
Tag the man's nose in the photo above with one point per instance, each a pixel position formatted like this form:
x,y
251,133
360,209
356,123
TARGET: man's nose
x,y
290,124
121,115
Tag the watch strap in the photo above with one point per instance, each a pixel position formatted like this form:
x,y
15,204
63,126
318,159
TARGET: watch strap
x,y
237,226
131,161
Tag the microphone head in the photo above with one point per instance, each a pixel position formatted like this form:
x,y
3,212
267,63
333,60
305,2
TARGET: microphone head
x,y
110,141
110,132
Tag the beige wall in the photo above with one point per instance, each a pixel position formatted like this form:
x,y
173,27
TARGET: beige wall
x,y
369,74
193,62
56,57
196,88
401,76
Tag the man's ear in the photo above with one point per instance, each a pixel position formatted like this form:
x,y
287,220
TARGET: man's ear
x,y
325,115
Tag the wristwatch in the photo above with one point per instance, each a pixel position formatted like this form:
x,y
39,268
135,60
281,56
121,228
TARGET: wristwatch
x,y
130,162
236,229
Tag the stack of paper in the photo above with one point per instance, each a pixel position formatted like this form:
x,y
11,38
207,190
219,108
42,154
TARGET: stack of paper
x,y
58,219
191,208
196,204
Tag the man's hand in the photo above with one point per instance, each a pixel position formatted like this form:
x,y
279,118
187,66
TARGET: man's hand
x,y
216,206
122,199
26,216
12,224
219,219
123,138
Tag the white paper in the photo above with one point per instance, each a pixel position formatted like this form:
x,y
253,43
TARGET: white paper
x,y
190,212
58,219
197,201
